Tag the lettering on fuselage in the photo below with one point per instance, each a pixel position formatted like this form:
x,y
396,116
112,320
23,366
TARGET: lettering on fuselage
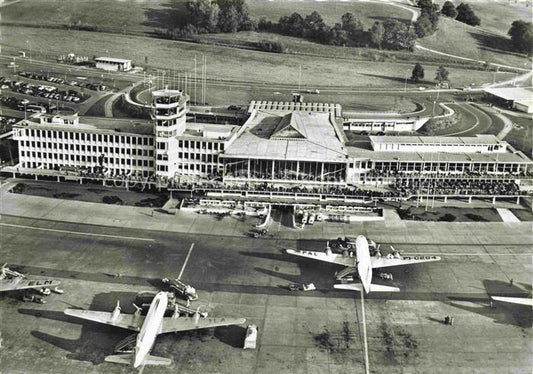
x,y
309,253
419,257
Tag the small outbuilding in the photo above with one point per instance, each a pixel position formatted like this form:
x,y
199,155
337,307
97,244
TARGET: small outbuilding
x,y
112,64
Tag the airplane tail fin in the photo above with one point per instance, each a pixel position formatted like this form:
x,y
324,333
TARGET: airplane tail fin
x,y
127,359
359,287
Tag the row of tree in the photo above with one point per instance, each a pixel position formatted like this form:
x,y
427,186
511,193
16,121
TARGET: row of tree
x,y
209,16
463,13
418,74
390,34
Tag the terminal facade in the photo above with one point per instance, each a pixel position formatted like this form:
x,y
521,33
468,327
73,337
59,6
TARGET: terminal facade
x,y
277,145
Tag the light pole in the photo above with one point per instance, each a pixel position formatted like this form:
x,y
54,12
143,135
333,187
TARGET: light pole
x,y
299,78
405,85
29,47
195,80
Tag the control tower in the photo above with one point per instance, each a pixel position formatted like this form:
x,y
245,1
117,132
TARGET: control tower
x,y
169,109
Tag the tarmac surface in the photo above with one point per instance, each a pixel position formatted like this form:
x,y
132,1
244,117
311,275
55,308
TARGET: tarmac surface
x,y
87,246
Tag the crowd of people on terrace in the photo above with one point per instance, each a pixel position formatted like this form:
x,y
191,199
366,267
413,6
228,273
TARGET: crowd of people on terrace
x,y
376,173
406,187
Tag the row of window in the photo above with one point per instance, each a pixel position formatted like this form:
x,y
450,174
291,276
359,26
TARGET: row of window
x,y
88,148
64,135
83,158
196,144
198,156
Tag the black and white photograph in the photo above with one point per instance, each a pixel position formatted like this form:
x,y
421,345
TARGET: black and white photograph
x,y
266,186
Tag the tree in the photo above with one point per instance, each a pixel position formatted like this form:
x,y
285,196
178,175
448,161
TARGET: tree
x,y
293,25
424,3
397,36
418,73
376,34
521,34
228,19
442,74
314,26
351,25
423,26
448,9
204,14
466,15
340,36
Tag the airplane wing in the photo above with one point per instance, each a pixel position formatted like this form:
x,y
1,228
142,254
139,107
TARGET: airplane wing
x,y
191,323
514,300
333,258
359,287
383,262
125,321
26,284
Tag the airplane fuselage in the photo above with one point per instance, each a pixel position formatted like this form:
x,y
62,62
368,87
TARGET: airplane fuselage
x,y
150,328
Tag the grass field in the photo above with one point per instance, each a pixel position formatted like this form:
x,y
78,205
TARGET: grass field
x,y
136,16
145,15
457,38
331,11
497,16
226,63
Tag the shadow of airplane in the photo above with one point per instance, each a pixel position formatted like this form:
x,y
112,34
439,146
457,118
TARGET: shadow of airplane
x,y
97,340
93,277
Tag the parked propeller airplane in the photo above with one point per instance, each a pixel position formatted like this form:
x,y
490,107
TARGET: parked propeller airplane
x,y
11,280
362,264
148,327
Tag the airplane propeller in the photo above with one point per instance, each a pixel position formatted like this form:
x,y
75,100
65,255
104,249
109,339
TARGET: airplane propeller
x,y
138,309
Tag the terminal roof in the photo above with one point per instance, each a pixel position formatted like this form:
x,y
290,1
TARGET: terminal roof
x,y
363,154
289,136
99,125
478,139
511,93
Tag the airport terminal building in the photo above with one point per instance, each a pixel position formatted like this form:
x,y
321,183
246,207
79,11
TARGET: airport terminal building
x,y
276,146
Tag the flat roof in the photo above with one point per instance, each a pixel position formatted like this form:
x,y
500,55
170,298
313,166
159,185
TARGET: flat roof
x,y
487,139
166,92
99,125
511,93
112,59
196,130
359,153
289,136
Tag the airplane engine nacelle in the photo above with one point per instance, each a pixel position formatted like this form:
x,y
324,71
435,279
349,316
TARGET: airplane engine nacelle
x,y
329,252
116,312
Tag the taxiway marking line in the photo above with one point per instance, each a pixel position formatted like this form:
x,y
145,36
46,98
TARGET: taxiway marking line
x,y
78,233
468,254
186,260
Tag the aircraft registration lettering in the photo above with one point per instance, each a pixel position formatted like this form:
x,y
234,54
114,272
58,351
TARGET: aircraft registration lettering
x,y
420,257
